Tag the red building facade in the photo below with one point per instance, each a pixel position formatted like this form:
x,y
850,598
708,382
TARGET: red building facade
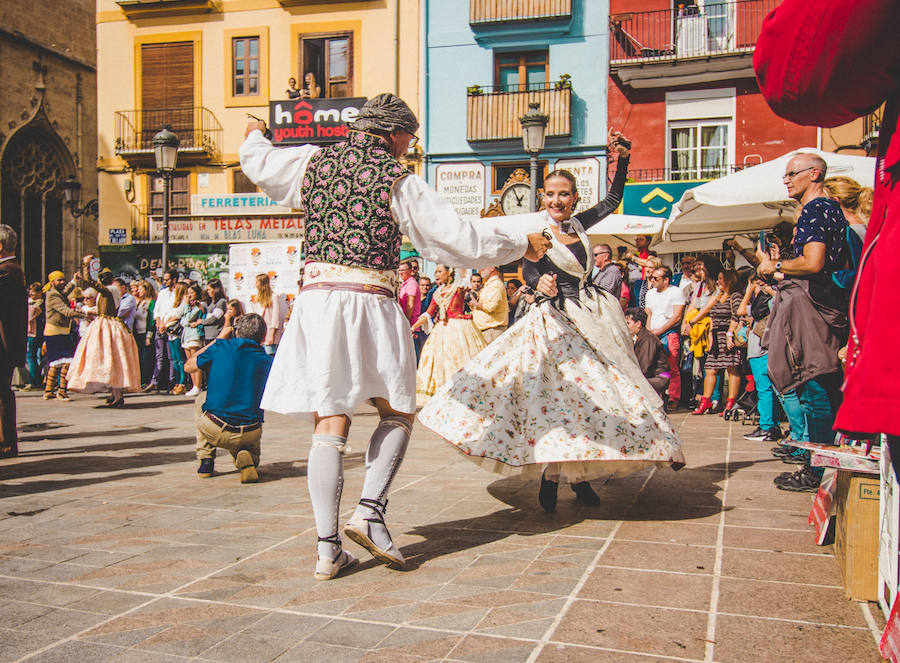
x,y
682,87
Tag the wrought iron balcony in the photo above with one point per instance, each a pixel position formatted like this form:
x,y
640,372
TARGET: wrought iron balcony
x,y
493,112
154,8
689,173
198,131
499,11
713,42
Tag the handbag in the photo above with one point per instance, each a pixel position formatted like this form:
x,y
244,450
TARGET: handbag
x,y
740,334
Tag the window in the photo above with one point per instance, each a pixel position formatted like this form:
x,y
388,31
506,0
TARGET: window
x,y
699,150
245,58
240,183
700,133
180,191
501,172
329,58
521,71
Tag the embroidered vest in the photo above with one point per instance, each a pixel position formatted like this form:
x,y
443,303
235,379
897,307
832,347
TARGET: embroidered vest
x,y
346,192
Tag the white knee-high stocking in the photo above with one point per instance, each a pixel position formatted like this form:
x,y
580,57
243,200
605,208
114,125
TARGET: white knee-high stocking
x,y
385,453
325,480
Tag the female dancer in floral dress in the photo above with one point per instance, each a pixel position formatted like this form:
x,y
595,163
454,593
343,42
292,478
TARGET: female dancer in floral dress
x,y
560,393
454,340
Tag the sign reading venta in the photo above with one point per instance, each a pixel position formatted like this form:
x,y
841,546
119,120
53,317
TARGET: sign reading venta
x,y
228,228
235,203
299,121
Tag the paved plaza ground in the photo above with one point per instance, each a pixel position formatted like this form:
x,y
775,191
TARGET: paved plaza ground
x,y
111,549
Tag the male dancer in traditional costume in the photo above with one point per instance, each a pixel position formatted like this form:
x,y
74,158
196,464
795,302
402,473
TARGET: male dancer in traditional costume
x,y
347,340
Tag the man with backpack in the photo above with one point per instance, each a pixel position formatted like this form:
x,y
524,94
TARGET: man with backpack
x,y
808,324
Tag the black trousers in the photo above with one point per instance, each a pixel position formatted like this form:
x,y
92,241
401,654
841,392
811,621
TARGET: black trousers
x,y
9,441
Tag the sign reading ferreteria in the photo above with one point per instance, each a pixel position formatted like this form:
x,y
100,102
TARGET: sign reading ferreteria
x,y
190,229
235,203
300,121
462,185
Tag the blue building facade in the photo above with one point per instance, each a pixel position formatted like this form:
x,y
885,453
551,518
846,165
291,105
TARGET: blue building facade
x,y
484,62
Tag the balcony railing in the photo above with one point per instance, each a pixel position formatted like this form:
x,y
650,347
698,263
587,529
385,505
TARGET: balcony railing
x,y
140,224
684,174
493,112
154,8
497,11
726,28
198,131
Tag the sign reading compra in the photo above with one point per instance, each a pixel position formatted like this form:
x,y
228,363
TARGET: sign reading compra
x,y
299,121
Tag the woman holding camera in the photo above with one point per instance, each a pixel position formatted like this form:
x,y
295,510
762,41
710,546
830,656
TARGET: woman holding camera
x,y
454,339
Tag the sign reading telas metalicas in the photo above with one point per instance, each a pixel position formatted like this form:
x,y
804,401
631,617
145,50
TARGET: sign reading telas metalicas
x,y
300,121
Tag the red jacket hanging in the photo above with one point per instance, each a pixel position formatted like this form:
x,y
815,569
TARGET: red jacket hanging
x,y
826,62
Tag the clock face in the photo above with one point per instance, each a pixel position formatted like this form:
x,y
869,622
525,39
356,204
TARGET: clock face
x,y
515,199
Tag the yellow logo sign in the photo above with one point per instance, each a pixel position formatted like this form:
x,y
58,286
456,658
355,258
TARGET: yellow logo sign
x,y
657,193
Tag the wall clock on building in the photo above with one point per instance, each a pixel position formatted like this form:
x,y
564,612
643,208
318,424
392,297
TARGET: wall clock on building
x,y
515,197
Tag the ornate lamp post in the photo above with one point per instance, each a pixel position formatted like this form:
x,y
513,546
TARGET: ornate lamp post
x,y
165,149
534,130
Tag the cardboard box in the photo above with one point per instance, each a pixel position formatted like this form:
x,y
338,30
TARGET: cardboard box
x,y
856,539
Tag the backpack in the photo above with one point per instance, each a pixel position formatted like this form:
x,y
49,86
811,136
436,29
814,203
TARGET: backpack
x,y
844,278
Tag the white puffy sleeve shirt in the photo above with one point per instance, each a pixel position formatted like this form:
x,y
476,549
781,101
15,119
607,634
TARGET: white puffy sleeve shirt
x,y
428,220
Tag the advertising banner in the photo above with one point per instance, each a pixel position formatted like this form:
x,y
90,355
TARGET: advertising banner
x,y
587,177
280,260
462,185
187,229
300,121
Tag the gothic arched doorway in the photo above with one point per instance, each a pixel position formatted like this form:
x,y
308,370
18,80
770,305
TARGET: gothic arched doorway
x,y
32,169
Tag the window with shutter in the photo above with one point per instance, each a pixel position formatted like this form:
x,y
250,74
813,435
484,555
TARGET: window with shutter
x,y
167,90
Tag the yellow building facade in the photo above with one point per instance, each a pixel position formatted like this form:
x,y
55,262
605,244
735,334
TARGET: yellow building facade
x,y
200,67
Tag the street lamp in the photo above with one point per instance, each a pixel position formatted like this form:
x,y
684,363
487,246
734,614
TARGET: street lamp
x,y
165,149
534,129
72,191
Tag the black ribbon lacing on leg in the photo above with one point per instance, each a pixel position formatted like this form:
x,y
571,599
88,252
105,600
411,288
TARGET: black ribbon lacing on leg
x,y
376,506
334,539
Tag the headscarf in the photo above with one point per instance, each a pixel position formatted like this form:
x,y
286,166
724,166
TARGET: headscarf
x,y
386,112
51,277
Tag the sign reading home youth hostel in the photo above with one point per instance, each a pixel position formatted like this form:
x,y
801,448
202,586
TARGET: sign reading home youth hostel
x,y
462,185
300,121
235,203
228,228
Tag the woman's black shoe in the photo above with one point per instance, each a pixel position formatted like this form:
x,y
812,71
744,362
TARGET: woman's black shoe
x,y
547,494
717,407
585,494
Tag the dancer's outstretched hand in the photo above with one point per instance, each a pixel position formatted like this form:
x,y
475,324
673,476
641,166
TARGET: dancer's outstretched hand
x,y
546,285
253,125
538,244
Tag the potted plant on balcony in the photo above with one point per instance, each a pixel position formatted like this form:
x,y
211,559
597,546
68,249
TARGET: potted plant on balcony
x,y
564,82
474,90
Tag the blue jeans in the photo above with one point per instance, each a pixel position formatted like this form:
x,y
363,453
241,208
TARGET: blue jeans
x,y
765,403
817,406
177,355
790,401
270,349
33,360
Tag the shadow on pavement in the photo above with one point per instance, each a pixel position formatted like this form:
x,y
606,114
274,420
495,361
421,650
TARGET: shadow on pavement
x,y
687,494
33,487
79,435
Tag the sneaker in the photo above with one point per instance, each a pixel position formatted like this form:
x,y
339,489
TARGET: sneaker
x,y
797,457
244,461
774,435
207,468
781,451
756,436
326,569
193,392
804,481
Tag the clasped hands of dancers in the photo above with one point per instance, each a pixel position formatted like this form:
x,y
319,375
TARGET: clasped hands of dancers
x,y
348,341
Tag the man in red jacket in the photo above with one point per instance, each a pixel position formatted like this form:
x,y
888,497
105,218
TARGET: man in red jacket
x,y
826,62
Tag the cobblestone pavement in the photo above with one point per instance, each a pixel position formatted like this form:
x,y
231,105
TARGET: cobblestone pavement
x,y
111,549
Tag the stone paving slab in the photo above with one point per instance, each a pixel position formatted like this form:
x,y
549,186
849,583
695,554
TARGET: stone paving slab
x,y
111,549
